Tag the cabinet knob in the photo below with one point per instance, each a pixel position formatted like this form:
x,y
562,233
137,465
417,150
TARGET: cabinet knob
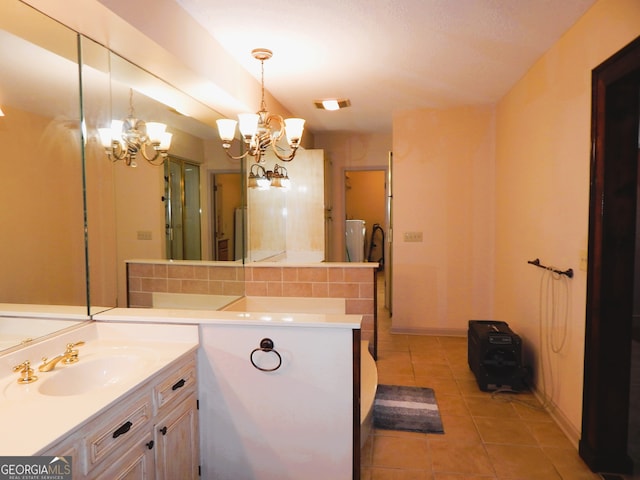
x,y
163,430
150,445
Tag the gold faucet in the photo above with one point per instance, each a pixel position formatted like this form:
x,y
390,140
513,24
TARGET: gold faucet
x,y
26,371
69,356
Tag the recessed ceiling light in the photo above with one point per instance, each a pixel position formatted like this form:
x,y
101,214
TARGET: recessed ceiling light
x,y
332,104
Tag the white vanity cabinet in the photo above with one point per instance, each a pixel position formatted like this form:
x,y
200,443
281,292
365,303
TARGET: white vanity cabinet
x,y
151,433
176,428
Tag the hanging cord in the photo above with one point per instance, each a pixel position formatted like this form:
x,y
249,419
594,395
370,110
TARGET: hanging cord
x,y
554,312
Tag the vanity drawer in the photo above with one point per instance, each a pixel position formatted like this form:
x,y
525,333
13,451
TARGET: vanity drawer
x,y
176,384
118,429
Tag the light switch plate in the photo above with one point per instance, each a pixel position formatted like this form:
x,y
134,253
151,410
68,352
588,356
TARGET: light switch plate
x,y
413,236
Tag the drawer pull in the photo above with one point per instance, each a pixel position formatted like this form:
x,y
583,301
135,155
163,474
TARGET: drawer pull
x,y
163,430
123,429
150,445
179,384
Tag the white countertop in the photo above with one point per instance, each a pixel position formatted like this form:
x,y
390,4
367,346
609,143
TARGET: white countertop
x,y
64,312
33,421
162,315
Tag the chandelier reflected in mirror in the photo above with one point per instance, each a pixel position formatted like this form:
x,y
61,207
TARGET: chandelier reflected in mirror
x,y
263,179
261,130
132,136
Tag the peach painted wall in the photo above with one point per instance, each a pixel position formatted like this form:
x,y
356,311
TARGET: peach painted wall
x,y
443,187
46,262
542,191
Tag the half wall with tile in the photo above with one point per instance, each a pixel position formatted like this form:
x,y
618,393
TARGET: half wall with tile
x,y
353,282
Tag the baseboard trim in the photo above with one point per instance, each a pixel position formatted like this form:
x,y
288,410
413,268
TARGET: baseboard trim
x,y
442,332
572,434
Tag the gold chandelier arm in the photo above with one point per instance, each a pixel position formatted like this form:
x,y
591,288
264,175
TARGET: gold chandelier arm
x,y
239,157
287,158
117,152
280,132
152,158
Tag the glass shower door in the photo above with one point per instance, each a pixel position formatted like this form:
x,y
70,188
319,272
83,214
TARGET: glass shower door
x,y
182,212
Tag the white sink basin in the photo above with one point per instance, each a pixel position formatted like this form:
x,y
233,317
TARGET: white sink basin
x,y
98,369
83,377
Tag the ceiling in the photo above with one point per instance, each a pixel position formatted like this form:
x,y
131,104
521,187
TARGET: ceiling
x,y
386,55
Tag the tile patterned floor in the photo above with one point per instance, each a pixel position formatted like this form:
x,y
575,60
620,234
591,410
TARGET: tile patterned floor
x,y
485,438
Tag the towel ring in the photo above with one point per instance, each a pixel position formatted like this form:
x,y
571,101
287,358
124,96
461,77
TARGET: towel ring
x,y
266,345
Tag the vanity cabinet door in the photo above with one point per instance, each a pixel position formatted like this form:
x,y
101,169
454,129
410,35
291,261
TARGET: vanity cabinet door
x,y
137,464
69,447
177,443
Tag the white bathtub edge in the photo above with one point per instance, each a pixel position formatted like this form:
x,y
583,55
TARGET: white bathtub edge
x,y
368,386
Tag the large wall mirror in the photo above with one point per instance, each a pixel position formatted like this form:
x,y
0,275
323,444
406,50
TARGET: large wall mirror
x,y
42,215
70,215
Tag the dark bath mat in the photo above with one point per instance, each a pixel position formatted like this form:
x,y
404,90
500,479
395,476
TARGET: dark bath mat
x,y
411,409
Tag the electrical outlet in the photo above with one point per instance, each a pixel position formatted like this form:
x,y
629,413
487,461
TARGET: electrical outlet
x,y
144,235
413,236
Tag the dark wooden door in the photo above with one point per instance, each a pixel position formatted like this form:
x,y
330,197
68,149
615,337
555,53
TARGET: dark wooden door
x,y
610,276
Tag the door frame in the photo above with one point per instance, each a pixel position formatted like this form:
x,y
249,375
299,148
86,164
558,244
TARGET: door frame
x,y
610,276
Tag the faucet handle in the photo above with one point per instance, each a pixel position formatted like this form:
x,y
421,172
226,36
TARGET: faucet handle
x,y
71,354
26,371
71,346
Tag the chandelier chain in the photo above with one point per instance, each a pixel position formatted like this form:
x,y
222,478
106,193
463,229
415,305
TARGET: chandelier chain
x,y
263,105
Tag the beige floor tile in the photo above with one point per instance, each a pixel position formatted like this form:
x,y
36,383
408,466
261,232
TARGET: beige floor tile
x,y
452,405
461,370
468,385
395,379
453,457
423,342
378,473
397,363
379,432
366,452
388,356
505,431
535,413
485,406
443,386
569,464
521,462
431,370
548,434
457,429
401,452
432,356
393,343
453,476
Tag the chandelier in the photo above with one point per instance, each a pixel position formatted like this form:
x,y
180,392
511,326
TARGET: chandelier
x,y
126,138
259,130
262,179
